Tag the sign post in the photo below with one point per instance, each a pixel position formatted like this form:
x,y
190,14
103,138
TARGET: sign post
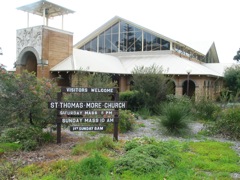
x,y
59,98
116,119
85,110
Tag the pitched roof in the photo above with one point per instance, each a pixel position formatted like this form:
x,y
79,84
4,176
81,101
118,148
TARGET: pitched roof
x,y
90,61
124,63
116,19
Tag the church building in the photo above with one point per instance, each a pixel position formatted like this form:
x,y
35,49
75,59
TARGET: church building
x,y
116,48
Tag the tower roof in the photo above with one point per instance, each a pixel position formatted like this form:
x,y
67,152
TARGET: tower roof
x,y
51,9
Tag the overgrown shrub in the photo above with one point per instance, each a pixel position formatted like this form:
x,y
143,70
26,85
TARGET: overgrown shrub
x,y
6,147
29,137
151,84
174,117
206,109
126,122
103,142
93,167
8,170
134,103
227,124
24,98
148,158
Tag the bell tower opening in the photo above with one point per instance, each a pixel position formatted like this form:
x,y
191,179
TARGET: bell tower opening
x,y
31,62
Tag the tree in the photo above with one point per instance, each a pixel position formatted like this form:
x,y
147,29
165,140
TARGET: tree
x,y
232,79
237,56
24,98
151,84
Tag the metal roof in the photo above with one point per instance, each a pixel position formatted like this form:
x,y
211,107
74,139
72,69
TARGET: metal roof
x,y
124,63
51,9
90,61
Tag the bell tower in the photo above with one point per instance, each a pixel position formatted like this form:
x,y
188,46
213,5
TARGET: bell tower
x,y
41,47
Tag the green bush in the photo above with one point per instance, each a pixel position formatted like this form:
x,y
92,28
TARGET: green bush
x,y
6,147
102,143
133,101
144,112
29,137
126,122
206,109
174,117
147,158
135,142
227,124
8,170
93,167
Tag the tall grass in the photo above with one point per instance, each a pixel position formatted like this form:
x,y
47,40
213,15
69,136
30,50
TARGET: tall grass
x,y
174,117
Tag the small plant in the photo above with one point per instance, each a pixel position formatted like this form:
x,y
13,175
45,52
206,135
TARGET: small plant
x,y
8,170
133,101
92,167
28,137
228,124
174,117
7,147
144,112
147,158
126,122
102,143
206,109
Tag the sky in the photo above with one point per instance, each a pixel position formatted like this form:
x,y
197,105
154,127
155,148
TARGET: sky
x,y
196,23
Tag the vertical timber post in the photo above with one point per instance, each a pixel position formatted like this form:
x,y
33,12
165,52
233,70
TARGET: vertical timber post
x,y
116,118
59,98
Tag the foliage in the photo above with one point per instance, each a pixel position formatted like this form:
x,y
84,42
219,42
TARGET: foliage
x,y
126,122
8,170
93,167
28,137
206,109
212,156
176,160
133,100
102,143
237,56
144,113
227,124
23,99
232,79
148,158
151,84
174,113
174,117
8,147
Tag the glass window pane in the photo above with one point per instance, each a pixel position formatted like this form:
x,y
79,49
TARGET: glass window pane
x,y
108,48
130,42
94,45
155,43
87,46
138,41
137,30
108,31
147,41
114,42
123,26
165,45
130,28
101,43
115,28
123,42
